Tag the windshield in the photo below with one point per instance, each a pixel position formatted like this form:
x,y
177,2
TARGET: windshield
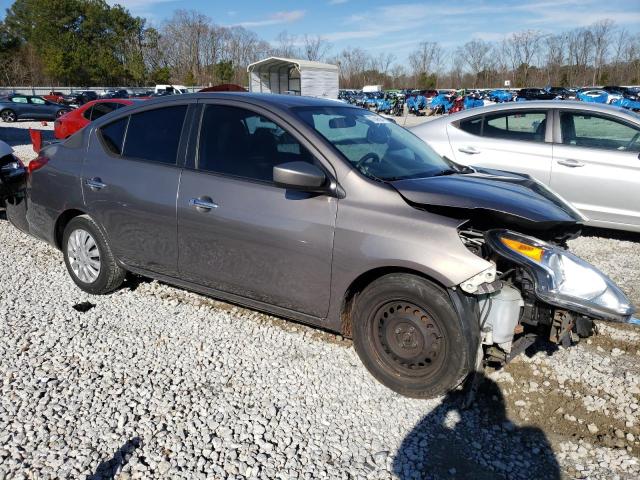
x,y
373,145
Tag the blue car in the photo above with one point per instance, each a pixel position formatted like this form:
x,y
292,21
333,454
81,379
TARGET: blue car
x,y
19,107
500,96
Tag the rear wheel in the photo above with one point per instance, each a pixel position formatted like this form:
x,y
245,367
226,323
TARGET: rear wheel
x,y
88,257
60,113
410,337
8,116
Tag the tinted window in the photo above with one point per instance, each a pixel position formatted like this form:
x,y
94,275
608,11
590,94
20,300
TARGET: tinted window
x,y
100,109
472,125
19,100
595,131
242,143
37,100
113,134
154,135
528,126
87,113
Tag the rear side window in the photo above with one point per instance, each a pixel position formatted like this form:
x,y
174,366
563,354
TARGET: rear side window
x,y
101,109
113,134
521,125
528,126
154,135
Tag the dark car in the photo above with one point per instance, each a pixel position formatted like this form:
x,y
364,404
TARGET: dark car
x,y
626,92
535,94
562,92
12,173
80,97
324,213
20,107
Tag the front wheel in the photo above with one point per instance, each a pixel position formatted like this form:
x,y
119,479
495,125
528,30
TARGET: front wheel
x,y
60,113
409,336
88,257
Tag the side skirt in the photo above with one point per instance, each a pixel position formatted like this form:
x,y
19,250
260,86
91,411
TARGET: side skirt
x,y
235,299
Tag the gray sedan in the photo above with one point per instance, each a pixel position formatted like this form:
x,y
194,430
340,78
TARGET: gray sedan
x,y
19,107
587,153
324,213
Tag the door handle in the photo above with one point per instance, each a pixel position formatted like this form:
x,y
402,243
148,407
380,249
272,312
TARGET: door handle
x,y
95,184
569,162
469,150
202,204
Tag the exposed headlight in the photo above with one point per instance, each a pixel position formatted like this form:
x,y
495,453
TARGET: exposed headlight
x,y
563,279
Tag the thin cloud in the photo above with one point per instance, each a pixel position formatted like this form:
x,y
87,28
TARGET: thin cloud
x,y
275,19
337,2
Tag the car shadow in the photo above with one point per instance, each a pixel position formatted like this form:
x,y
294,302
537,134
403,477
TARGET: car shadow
x,y
610,233
476,443
108,469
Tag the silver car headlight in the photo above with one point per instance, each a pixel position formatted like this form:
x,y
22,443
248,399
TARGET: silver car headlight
x,y
563,279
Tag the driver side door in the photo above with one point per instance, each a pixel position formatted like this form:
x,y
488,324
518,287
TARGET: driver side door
x,y
596,166
241,234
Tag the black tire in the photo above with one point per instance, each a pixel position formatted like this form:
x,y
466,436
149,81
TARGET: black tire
x,y
409,336
59,113
110,275
8,116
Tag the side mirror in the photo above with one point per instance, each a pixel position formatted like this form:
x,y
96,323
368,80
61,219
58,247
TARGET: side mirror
x,y
299,176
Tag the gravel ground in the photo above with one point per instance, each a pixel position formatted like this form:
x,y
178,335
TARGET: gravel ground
x,y
156,382
17,135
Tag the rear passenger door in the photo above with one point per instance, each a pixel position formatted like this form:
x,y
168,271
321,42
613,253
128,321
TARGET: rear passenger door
x,y
130,181
513,140
241,234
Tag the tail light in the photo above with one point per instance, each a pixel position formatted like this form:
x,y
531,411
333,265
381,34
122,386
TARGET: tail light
x,y
37,164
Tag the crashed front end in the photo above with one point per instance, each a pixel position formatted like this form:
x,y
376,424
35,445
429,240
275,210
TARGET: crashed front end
x,y
533,285
537,288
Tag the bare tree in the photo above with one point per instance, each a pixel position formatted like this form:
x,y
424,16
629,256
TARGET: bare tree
x,y
600,35
522,48
286,46
315,47
426,59
476,55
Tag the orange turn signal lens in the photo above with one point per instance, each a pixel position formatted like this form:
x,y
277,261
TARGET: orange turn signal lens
x,y
534,253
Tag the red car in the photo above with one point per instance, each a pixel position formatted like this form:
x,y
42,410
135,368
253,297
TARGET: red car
x,y
70,123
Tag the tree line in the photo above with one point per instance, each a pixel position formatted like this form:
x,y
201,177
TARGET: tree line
x,y
89,42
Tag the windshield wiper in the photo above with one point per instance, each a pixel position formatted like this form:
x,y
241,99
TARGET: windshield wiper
x,y
448,171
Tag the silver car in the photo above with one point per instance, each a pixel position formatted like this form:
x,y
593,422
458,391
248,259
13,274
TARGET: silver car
x,y
587,153
324,213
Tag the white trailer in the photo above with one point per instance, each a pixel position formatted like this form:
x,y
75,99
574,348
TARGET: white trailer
x,y
294,77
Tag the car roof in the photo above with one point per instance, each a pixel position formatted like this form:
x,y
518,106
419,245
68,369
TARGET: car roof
x,y
269,100
557,104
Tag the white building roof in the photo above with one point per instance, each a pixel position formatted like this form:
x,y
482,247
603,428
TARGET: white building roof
x,y
277,62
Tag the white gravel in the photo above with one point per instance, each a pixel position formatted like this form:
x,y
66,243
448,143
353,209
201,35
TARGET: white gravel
x,y
155,382
17,135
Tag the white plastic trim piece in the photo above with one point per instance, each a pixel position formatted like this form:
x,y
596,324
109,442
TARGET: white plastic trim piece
x,y
486,276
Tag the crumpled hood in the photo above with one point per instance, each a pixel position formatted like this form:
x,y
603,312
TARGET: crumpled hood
x,y
491,194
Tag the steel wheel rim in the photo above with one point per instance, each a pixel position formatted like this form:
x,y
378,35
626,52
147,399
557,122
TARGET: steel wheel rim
x,y
84,256
408,339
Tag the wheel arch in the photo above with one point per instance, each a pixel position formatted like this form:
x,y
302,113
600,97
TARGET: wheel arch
x,y
61,222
